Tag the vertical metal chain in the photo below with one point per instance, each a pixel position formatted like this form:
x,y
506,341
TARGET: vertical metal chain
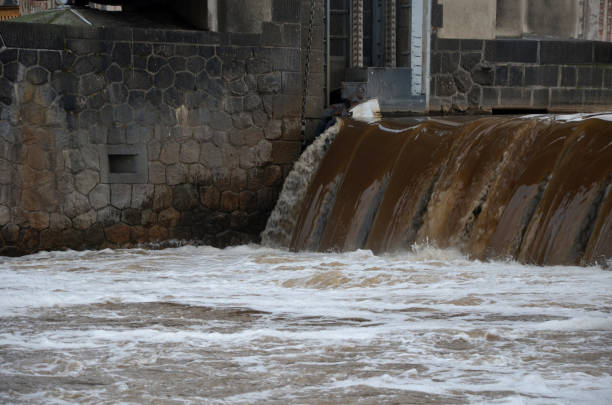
x,y
307,67
390,33
357,34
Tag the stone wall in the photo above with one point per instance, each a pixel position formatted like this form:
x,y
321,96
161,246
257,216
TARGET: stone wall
x,y
114,137
482,75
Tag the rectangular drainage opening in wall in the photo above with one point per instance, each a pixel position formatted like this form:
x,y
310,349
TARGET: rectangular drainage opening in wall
x,y
125,164
118,164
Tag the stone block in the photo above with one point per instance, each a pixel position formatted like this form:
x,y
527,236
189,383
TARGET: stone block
x,y
8,55
483,74
86,180
242,120
512,96
83,66
75,204
28,57
233,70
122,54
292,83
118,234
474,96
7,91
214,67
162,197
99,196
10,233
572,97
516,75
471,45
490,96
608,78
50,60
445,86
501,75
37,75
602,52
176,174
196,64
449,62
177,63
173,97
591,77
199,174
443,44
64,82
164,78
108,216
568,76
15,72
142,195
131,216
123,114
238,87
148,218
221,121
210,197
185,81
114,73
547,76
59,222
286,11
463,81
190,152
230,201
170,153
291,35
121,195
598,97
185,197
38,220
169,217
234,105
245,39
138,79
91,83
517,51
5,215
84,221
157,233
541,97
565,52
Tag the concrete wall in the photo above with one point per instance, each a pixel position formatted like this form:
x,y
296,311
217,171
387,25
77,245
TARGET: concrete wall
x,y
481,75
113,137
489,19
468,19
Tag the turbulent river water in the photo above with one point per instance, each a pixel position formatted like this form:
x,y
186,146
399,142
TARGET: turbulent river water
x,y
258,325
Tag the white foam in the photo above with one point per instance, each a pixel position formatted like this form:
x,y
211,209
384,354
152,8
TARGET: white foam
x,y
428,320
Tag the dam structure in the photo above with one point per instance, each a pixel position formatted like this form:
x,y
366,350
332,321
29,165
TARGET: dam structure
x,y
180,122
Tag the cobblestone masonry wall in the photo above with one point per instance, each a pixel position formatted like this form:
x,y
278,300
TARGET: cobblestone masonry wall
x,y
524,74
116,137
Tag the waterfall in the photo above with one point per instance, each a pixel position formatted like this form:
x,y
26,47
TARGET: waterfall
x,y
534,189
